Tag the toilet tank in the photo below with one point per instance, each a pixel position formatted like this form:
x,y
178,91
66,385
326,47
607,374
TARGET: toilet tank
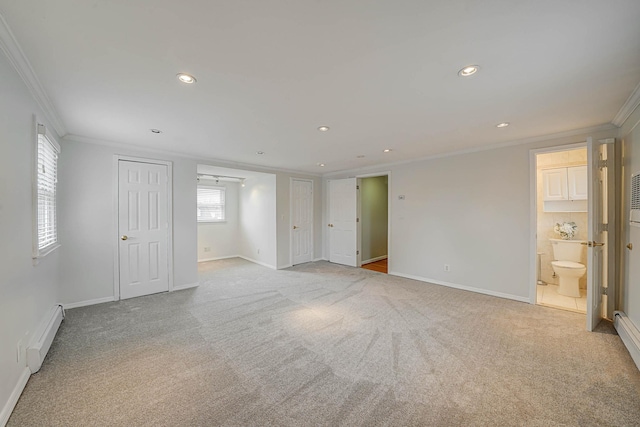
x,y
567,250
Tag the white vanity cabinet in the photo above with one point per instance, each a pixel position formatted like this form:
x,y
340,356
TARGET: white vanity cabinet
x,y
565,189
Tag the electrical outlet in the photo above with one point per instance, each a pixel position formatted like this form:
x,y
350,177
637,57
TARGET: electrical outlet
x,y
447,267
207,249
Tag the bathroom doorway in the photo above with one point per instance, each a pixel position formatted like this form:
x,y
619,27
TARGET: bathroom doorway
x,y
561,227
573,207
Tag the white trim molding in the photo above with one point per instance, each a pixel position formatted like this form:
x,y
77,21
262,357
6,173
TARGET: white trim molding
x,y
15,395
264,264
629,106
218,258
629,334
9,45
187,286
461,287
370,170
87,302
378,258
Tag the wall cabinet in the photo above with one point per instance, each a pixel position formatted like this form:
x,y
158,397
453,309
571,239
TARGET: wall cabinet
x,y
564,186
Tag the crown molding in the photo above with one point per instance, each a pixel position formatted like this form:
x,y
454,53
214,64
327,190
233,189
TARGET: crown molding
x,y
201,159
9,45
531,140
629,106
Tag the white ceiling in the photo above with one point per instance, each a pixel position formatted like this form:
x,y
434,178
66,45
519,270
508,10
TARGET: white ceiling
x,y
379,73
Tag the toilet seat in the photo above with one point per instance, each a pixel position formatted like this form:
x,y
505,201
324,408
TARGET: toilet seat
x,y
567,264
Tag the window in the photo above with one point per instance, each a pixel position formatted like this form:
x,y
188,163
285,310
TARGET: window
x,y
211,204
46,182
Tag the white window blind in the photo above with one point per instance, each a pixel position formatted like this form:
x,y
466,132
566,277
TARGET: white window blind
x,y
211,204
46,185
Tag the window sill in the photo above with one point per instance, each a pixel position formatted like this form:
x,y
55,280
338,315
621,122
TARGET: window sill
x,y
44,252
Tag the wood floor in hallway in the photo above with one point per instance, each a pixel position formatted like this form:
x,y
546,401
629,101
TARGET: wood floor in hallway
x,y
379,266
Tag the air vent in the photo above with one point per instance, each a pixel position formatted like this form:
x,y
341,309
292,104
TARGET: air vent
x,y
634,217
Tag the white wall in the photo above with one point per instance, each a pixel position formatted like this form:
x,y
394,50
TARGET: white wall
x,y
374,204
471,211
86,181
630,298
27,292
221,237
258,220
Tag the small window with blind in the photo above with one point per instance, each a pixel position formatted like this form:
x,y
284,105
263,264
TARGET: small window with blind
x,y
45,237
211,204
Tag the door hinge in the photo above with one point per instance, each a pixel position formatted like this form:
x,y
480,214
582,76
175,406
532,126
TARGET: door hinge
x,y
604,227
605,291
357,187
357,219
357,252
603,163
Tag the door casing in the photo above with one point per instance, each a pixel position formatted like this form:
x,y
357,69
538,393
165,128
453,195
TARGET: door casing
x,y
534,219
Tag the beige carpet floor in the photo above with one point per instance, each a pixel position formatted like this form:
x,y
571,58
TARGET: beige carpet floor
x,y
327,345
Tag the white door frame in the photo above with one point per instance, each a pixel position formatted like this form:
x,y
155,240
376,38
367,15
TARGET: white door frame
x,y
533,215
291,179
116,259
389,207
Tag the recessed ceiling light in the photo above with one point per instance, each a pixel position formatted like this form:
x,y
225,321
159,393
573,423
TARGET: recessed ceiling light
x,y
321,165
361,156
323,128
469,70
260,152
155,130
502,125
186,78
386,150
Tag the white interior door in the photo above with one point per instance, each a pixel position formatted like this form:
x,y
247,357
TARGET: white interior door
x,y
342,221
143,228
302,220
599,245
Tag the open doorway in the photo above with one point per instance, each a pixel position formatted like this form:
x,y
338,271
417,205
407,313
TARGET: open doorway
x,y
373,225
564,186
236,215
562,218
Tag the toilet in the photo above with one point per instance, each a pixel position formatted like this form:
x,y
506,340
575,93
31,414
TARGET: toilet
x,y
567,255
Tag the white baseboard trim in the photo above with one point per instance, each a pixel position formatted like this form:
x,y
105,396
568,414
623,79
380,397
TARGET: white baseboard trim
x,y
187,286
462,287
320,259
378,258
629,334
282,267
15,395
264,264
88,302
218,258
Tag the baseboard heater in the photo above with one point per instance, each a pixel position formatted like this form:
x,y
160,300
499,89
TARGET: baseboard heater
x,y
629,334
37,351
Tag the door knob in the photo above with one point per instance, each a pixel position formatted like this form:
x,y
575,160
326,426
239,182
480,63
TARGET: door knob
x,y
124,237
591,244
630,246
295,226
